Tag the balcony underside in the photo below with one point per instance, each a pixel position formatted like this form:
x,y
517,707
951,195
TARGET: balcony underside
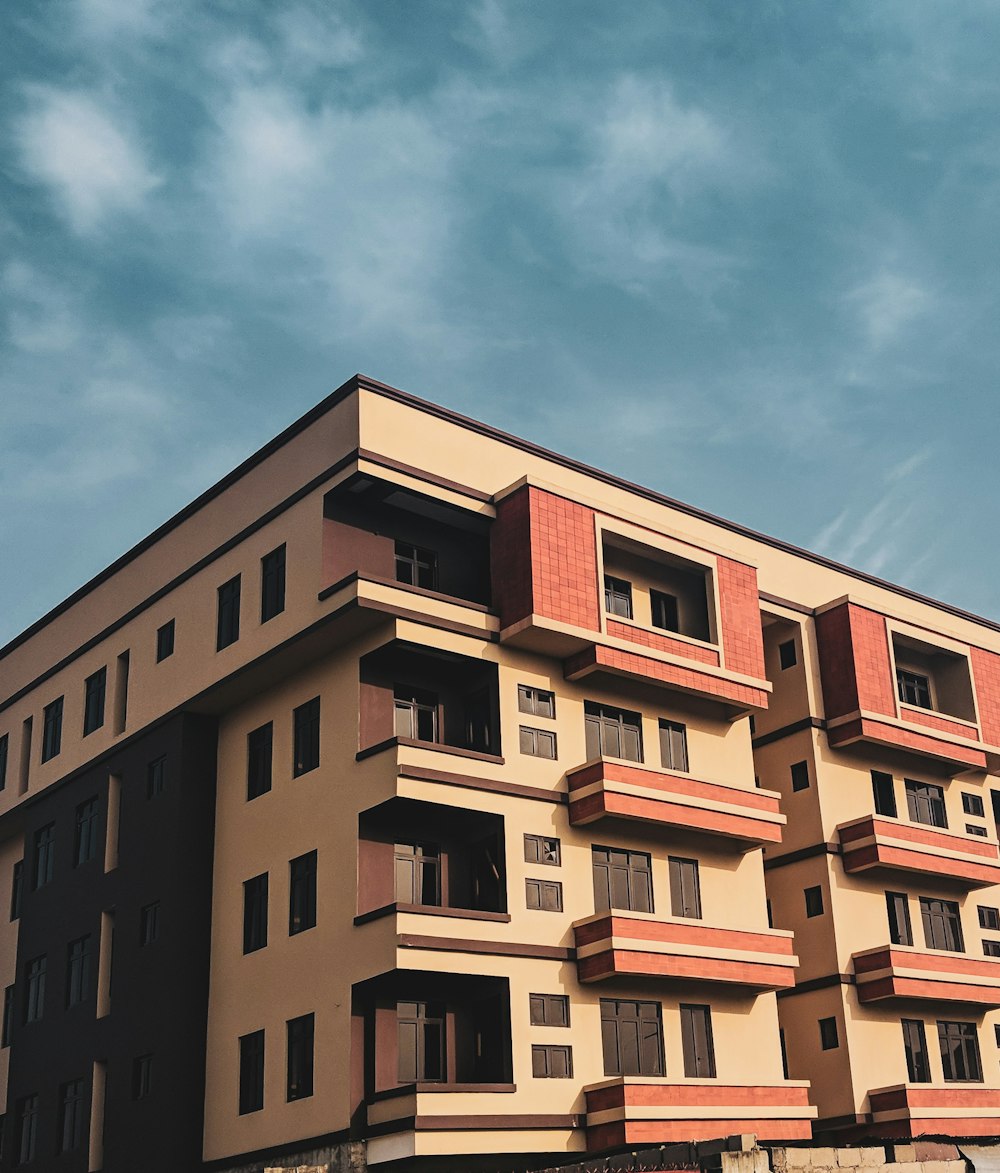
x,y
894,972
910,1110
937,746
882,844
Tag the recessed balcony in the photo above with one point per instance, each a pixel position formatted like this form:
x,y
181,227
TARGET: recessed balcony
x,y
879,843
915,1109
900,971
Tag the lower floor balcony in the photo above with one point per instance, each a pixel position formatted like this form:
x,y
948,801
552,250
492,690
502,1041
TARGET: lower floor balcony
x,y
899,971
879,843
912,1109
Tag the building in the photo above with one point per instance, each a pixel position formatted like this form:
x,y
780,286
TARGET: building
x,y
421,799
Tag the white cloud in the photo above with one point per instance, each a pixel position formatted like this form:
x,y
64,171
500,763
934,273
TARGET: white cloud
x,y
887,304
41,316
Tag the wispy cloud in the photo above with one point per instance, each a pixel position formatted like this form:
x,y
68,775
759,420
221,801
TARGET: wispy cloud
x,y
887,304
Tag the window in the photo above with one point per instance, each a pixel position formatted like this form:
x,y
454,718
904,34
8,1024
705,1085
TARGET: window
x,y
898,909
542,849
27,1129
989,918
78,971
828,1038
299,1083
4,748
255,913
548,1009
52,729
972,804
942,924
418,873
673,746
632,1037
416,566
94,690
302,893
85,834
16,888
165,641
537,743
960,1052
142,1076
925,803
612,733
8,1016
991,948
228,626
685,889
251,1094
971,829
305,729
663,609
551,1062
537,701
272,584
72,1116
34,980
918,1068
914,689
787,655
545,895
622,879
800,775
814,901
420,1038
618,596
149,923
696,1042
259,746
883,794
784,1053
45,856
155,777
416,713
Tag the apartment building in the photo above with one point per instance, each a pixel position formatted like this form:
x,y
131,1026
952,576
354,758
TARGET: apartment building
x,y
423,799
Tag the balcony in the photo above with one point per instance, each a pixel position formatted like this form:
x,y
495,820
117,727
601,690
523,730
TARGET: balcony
x,y
901,971
612,789
879,843
625,944
915,1109
632,1110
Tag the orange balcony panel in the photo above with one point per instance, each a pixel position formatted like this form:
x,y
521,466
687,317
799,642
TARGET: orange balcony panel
x,y
632,1110
876,842
909,1109
603,789
896,971
611,945
927,744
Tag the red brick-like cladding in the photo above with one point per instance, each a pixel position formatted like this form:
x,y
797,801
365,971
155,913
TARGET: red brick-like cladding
x,y
739,603
854,664
986,680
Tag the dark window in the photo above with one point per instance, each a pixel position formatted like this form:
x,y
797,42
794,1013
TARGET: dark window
x,y
420,1037
142,1076
300,1057
251,1095
787,656
972,804
94,691
302,893
960,1052
16,889
255,913
85,835
259,745
696,1042
942,924
4,748
149,923
72,1116
537,743
784,1053
52,729
918,1068
770,915
545,895
898,908
165,641
418,873
479,732
800,775
673,745
537,701
828,1038
551,1062
970,829
622,879
914,689
542,849
632,1037
618,596
45,856
305,726
155,777
8,1016
272,584
228,627
685,889
34,980
27,1129
883,794
991,948
78,971
814,901
989,918
416,713
416,566
925,803
548,1009
663,608
612,733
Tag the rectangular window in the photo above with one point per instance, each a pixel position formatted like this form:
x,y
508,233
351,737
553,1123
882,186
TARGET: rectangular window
x,y
989,918
622,879
551,1062
673,746
972,804
971,829
418,873
34,981
537,743
548,1009
94,691
302,893
612,733
416,713
78,971
165,641
45,856
883,794
696,1042
72,1116
544,895
420,1039
416,566
27,1129
814,901
259,748
149,923
251,1093
942,924
305,737
228,626
86,832
991,948
787,655
156,777
16,889
898,908
52,729
255,913
142,1077
8,1016
925,803
685,888
828,1037
618,596
272,584
632,1037
299,1084
542,849
960,1052
121,693
537,701
4,753
663,610
918,1068
800,775
914,688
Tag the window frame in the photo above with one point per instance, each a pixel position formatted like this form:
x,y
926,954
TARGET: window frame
x,y
618,593
884,794
306,742
227,623
95,689
685,887
543,895
698,1053
302,892
421,561
425,862
637,870
649,1055
300,1057
52,724
900,928
942,922
535,739
600,720
917,684
165,639
673,745
543,1061
272,583
918,1066
542,852
926,799
250,1082
85,831
959,1038
798,770
829,1033
73,1118
255,913
542,1010
35,976
260,760
530,700
426,1017
784,663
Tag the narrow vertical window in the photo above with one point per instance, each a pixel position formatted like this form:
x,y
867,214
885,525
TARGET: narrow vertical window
x,y
663,609
86,832
94,691
800,775
44,857
696,1042
305,737
251,1092
814,901
16,889
255,913
883,794
685,889
142,1077
27,1129
25,766
918,1069
260,743
72,1116
300,1057
618,596
673,746
121,693
156,773
78,971
165,641
52,729
34,981
149,923
114,817
787,656
417,873
829,1039
8,1016
228,625
420,1039
272,584
4,749
302,893
898,909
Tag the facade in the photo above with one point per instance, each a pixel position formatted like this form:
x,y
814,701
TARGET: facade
x,y
420,799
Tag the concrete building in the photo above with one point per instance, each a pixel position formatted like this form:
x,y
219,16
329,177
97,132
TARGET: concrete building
x,y
421,799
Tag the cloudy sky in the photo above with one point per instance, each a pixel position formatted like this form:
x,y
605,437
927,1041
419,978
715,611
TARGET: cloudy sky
x,y
745,253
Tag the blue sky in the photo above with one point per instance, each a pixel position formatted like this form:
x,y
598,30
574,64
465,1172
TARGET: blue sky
x,y
745,253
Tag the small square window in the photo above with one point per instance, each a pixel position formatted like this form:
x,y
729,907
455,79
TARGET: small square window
x,y
828,1037
618,596
663,610
549,1062
543,895
542,849
991,948
537,701
165,641
972,804
989,918
972,829
814,901
787,656
800,775
549,1009
537,743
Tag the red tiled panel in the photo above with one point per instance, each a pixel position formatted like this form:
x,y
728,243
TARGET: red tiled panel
x,y
933,721
510,558
643,1132
923,743
986,680
854,662
739,602
662,643
563,560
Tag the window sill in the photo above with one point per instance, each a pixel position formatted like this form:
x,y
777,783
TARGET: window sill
x,y
431,910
